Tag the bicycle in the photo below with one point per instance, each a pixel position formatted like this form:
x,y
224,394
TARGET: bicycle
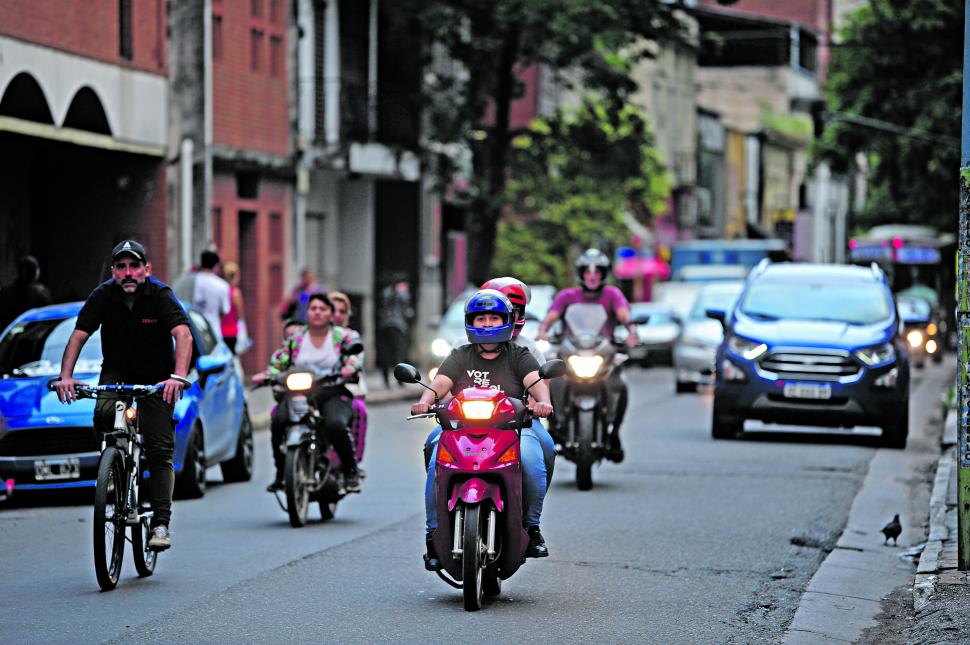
x,y
117,496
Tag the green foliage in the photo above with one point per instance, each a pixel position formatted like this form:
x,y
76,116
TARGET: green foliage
x,y
578,171
901,64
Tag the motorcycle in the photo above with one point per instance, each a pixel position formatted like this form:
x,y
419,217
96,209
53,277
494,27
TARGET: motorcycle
x,y
312,470
478,478
582,401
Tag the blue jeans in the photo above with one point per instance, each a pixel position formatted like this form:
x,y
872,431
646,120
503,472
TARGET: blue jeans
x,y
534,482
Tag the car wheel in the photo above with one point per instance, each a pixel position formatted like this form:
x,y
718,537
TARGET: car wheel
x,y
686,386
240,467
191,483
725,426
896,430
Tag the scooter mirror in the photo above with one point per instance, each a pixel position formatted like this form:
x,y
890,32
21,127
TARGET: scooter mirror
x,y
405,373
353,348
552,369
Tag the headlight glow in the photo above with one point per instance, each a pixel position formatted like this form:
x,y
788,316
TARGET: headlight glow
x,y
931,346
746,348
543,345
876,354
433,373
479,410
440,347
585,366
299,381
914,338
931,329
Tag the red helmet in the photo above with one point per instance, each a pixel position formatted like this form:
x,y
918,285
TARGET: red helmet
x,y
518,294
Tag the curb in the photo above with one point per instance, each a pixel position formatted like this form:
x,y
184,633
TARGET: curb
x,y
929,562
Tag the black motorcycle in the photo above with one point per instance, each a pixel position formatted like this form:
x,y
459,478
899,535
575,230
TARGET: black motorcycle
x,y
312,470
582,397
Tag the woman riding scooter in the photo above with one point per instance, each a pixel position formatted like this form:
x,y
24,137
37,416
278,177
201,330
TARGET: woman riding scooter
x,y
490,360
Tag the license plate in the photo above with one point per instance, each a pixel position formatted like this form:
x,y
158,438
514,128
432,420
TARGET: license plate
x,y
807,391
48,469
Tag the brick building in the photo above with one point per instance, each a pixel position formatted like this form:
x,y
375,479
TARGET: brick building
x,y
83,135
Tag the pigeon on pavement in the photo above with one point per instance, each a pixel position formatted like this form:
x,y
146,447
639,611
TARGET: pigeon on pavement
x,y
892,530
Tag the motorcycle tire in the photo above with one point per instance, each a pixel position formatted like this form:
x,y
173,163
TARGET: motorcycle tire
x,y
473,558
584,451
298,474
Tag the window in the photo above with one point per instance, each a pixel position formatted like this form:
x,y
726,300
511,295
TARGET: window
x,y
276,12
275,55
217,226
207,339
124,30
247,185
256,49
216,37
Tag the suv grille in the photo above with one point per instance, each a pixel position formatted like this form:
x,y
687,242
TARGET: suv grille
x,y
810,365
48,441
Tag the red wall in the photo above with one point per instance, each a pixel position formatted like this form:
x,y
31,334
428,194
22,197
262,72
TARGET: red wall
x,y
259,251
250,107
815,14
90,28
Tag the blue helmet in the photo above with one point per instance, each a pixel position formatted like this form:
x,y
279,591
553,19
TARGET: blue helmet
x,y
488,301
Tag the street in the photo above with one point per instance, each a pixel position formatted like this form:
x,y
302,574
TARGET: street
x,y
688,540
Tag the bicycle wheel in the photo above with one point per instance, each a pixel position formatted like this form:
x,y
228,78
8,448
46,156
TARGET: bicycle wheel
x,y
109,518
144,557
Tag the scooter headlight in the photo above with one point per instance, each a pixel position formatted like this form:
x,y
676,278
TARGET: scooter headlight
x,y
543,345
440,347
585,366
299,381
477,410
914,338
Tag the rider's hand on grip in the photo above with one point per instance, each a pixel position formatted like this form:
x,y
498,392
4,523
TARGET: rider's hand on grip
x,y
540,409
420,408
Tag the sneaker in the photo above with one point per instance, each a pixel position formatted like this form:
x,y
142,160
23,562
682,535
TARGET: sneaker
x,y
161,539
276,486
431,561
352,482
537,545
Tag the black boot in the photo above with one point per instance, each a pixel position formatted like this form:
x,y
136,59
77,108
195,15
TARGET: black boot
x,y
537,545
615,452
431,561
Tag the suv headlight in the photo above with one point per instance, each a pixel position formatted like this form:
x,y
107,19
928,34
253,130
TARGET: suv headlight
x,y
876,354
745,348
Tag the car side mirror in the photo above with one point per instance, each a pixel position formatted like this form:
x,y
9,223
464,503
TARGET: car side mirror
x,y
209,364
405,373
716,314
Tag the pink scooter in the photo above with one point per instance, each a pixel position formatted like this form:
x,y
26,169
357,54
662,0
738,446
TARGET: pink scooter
x,y
478,477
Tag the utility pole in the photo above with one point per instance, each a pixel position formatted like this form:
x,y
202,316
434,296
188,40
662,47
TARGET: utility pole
x,y
963,317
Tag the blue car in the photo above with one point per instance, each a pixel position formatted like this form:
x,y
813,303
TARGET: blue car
x,y
45,444
813,344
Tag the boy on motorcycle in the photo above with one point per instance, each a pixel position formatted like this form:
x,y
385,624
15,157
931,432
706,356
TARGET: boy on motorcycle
x,y
490,360
319,346
592,269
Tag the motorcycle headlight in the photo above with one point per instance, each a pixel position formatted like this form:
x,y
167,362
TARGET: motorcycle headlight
x,y
585,366
745,348
543,345
299,381
440,347
876,354
914,338
479,410
931,329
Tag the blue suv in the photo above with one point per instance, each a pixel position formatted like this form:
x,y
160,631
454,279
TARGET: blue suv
x,y
813,344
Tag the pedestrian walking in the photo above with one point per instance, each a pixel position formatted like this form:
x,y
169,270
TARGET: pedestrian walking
x,y
25,292
294,307
234,329
211,294
394,321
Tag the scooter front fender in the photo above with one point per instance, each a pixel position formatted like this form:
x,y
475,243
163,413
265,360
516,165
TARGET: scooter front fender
x,y
474,491
296,435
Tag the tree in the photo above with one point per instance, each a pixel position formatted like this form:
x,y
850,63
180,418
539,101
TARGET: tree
x,y
468,101
577,171
900,63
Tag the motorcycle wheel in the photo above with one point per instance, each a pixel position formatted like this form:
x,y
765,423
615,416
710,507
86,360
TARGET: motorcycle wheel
x,y
584,451
298,474
472,558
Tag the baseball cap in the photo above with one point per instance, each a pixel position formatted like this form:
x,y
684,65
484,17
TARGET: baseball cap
x,y
129,247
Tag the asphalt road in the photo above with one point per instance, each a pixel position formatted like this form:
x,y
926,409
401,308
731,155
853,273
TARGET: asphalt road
x,y
689,540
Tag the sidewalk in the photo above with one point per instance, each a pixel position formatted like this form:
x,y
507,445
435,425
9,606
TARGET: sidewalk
x,y
261,401
941,593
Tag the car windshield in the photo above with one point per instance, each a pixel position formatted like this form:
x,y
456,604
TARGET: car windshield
x,y
35,348
913,308
722,299
584,318
855,304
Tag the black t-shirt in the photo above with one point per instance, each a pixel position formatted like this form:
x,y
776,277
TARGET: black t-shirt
x,y
137,342
466,368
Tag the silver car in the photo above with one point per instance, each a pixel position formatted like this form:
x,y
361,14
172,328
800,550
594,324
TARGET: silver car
x,y
695,349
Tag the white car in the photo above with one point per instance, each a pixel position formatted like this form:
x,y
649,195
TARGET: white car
x,y
695,349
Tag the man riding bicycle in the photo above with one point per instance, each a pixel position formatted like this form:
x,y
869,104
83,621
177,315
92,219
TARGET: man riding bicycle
x,y
138,316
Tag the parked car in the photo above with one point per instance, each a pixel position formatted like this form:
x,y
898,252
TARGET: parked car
x,y
658,327
45,444
697,345
813,344
923,328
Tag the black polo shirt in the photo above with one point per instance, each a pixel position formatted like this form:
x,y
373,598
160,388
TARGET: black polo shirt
x,y
136,343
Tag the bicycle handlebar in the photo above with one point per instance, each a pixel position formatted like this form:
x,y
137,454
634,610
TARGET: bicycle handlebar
x,y
115,389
